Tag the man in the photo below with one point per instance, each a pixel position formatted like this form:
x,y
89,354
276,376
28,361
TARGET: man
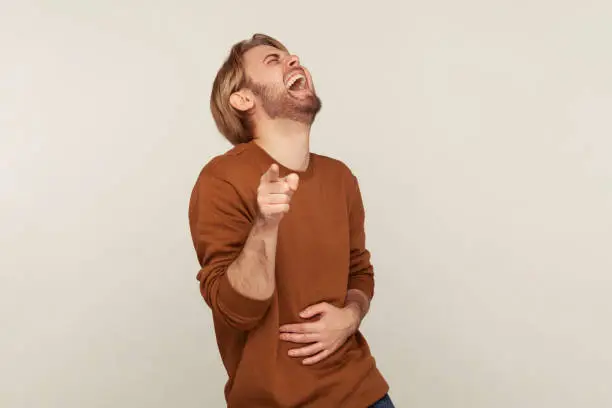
x,y
279,234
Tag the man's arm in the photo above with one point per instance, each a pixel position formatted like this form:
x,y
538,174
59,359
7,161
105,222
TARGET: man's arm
x,y
236,251
361,272
358,304
252,273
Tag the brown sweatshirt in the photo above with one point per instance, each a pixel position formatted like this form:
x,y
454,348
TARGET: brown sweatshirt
x,y
320,254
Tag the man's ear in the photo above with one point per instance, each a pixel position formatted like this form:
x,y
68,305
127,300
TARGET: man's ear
x,y
242,100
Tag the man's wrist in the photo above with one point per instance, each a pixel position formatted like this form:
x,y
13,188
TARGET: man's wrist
x,y
355,314
266,226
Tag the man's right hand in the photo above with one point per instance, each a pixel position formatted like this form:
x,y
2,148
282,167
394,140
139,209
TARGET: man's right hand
x,y
274,195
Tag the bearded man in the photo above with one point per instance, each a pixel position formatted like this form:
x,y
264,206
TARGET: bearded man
x,y
279,235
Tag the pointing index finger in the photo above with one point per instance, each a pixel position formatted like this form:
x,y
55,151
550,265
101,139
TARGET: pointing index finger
x,y
271,175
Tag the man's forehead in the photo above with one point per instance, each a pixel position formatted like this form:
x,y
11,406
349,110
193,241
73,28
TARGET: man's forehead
x,y
261,51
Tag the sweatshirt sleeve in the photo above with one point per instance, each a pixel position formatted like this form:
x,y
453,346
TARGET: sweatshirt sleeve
x,y
361,271
220,224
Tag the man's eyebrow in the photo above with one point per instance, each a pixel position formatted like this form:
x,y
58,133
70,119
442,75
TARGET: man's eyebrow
x,y
274,54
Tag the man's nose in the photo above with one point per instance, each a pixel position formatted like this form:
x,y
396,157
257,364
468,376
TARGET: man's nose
x,y
293,61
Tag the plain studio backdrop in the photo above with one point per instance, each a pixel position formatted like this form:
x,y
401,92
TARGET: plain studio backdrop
x,y
481,133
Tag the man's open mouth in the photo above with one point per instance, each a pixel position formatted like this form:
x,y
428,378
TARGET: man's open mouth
x,y
296,81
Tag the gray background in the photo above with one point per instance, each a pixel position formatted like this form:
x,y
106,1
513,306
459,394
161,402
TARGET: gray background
x,y
480,132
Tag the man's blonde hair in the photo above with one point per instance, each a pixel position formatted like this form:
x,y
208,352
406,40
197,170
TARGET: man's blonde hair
x,y
231,77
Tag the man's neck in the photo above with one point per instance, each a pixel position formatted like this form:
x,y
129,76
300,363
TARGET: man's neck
x,y
287,141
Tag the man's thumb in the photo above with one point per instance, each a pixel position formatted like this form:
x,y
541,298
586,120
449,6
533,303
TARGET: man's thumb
x,y
314,310
293,180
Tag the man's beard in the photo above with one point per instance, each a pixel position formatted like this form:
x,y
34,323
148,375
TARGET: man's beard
x,y
279,104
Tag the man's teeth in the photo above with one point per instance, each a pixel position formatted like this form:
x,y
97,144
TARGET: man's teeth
x,y
294,79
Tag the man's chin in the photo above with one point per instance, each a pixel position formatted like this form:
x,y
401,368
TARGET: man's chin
x,y
307,101
301,108
306,111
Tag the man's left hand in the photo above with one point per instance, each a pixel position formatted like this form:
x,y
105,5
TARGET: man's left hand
x,y
323,336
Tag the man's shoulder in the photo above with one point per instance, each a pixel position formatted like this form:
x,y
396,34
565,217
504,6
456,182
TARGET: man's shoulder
x,y
229,165
226,179
235,167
